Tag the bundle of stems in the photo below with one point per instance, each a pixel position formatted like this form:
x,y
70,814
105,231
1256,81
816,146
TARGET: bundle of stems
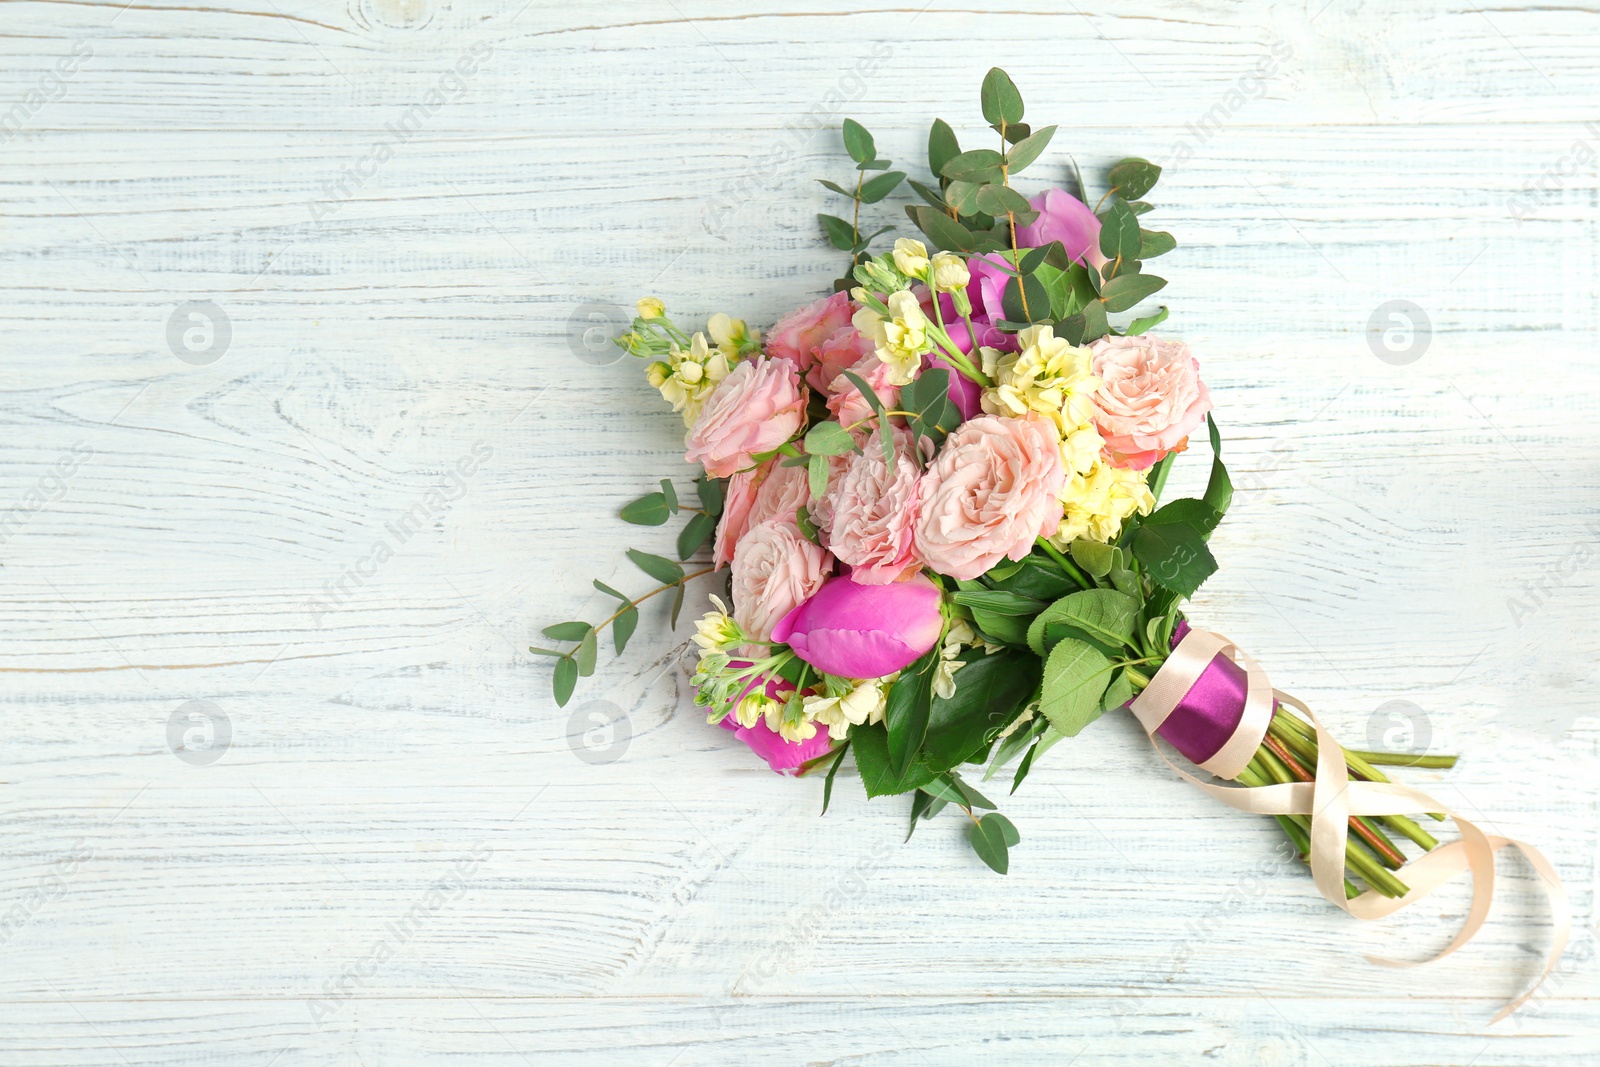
x,y
1289,754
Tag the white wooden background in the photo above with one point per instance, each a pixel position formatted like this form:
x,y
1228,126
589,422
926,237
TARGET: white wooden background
x,y
665,900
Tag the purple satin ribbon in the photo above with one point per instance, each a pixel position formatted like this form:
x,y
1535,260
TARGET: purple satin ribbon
x,y
1210,711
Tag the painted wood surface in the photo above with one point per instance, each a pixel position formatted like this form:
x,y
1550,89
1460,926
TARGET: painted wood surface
x,y
403,224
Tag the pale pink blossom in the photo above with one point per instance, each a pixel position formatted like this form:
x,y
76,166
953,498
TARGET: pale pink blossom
x,y
771,490
844,349
799,335
846,401
1152,398
775,570
993,490
872,512
756,408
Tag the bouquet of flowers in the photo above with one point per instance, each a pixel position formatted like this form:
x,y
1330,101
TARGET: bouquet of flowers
x,y
937,494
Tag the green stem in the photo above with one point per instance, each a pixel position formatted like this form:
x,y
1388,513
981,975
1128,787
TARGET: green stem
x,y
635,603
1403,759
1077,574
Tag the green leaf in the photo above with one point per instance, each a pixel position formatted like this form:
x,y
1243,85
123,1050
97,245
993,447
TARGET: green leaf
x,y
999,601
1146,324
871,746
841,234
1024,767
817,476
930,195
871,397
1133,178
905,713
1094,319
564,680
942,145
1103,614
1038,577
710,493
660,568
807,528
696,532
836,187
547,652
970,797
568,631
1093,556
933,413
945,232
1219,489
1038,305
828,439
584,654
963,196
624,625
1002,103
1153,243
873,164
827,783
1190,512
991,839
1075,677
1000,629
669,492
1119,232
1028,149
1174,555
858,142
978,165
677,606
924,805
991,690
606,589
998,200
1140,207
1118,693
1126,290
649,510
875,189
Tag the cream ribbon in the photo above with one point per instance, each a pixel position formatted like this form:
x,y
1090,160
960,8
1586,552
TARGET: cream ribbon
x,y
1332,799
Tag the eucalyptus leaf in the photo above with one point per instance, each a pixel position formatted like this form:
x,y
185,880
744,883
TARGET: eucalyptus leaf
x,y
1146,324
828,439
606,589
978,165
1132,178
649,510
1153,243
677,606
567,631
623,626
1119,231
564,680
942,145
1126,290
817,476
695,533
875,189
991,839
710,492
584,654
841,234
1028,149
660,568
858,142
1002,103
945,232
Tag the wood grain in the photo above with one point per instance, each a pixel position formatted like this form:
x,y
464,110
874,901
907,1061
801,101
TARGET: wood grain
x,y
1412,548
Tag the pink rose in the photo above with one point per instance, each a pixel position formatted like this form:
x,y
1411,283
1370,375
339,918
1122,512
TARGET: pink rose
x,y
799,334
1065,218
756,408
754,496
1152,398
846,401
872,510
843,350
994,489
774,569
865,631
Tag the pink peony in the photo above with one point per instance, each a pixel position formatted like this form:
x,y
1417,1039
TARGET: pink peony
x,y
800,334
994,489
754,496
785,757
1065,218
846,401
865,631
774,569
1152,398
756,408
872,511
843,350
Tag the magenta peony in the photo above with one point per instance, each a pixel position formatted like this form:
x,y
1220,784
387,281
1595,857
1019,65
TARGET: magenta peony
x,y
774,569
785,757
1152,398
756,408
1065,218
994,489
864,631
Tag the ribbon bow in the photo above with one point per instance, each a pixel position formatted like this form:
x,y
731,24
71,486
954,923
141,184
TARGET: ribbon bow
x,y
1332,799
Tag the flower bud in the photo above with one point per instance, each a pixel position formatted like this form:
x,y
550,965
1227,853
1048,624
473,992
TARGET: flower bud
x,y
657,373
911,257
651,307
949,273
864,631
